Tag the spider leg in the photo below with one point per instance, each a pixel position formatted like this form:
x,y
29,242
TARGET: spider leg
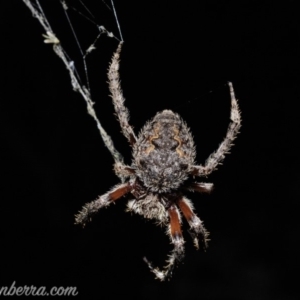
x,y
91,208
118,98
122,170
197,229
174,230
201,187
233,129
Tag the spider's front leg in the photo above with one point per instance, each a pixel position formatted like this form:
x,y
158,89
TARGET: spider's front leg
x,y
177,240
197,228
233,129
91,208
118,98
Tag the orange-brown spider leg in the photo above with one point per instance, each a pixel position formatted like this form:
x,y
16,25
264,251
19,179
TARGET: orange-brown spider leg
x,y
91,208
177,254
197,229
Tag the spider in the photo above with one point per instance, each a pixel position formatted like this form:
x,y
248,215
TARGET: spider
x,y
163,167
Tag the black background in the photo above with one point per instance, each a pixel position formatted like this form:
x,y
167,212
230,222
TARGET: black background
x,y
177,55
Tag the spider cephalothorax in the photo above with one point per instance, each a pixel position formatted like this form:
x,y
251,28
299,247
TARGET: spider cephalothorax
x,y
163,168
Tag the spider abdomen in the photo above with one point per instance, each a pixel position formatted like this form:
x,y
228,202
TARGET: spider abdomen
x,y
164,152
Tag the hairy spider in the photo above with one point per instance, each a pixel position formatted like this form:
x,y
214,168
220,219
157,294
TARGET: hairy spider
x,y
163,167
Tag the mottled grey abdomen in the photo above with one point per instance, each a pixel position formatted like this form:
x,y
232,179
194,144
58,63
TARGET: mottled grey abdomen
x,y
164,152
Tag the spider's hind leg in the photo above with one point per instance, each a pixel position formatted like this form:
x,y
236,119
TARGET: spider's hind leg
x,y
197,229
177,254
91,208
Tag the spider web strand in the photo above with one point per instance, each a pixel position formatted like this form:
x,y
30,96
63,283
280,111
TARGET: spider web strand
x,y
78,44
117,20
38,13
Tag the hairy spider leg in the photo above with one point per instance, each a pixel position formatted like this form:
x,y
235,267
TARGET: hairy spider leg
x,y
177,254
233,129
123,170
91,208
197,228
201,187
118,98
